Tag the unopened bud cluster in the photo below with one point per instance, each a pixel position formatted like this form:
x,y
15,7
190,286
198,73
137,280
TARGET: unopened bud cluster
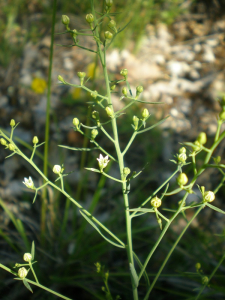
x,y
156,202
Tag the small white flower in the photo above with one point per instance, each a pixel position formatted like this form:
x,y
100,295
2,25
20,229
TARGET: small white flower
x,y
103,161
22,272
57,169
28,183
209,196
27,257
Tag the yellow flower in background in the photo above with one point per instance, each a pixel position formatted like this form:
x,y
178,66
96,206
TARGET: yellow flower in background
x,y
76,92
91,70
38,85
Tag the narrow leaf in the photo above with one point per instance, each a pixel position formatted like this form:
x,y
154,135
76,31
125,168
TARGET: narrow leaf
x,y
33,250
27,285
215,208
93,170
78,149
153,126
141,267
134,275
99,231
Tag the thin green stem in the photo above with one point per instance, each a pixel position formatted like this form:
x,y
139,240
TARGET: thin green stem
x,y
129,143
219,122
32,155
211,276
47,124
171,251
194,164
32,269
106,133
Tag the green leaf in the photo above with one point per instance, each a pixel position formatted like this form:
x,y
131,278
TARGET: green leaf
x,y
93,170
27,285
33,250
35,196
141,267
146,210
78,149
40,144
99,231
134,275
215,208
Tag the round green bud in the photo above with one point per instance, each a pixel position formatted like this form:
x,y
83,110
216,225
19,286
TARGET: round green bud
x,y
112,88
139,89
126,171
205,280
112,25
202,138
65,20
81,74
94,133
209,196
90,18
124,72
197,146
57,169
217,159
156,202
109,111
109,3
182,150
60,78
182,157
76,122
98,267
198,266
145,113
124,91
35,140
182,179
27,257
12,123
95,115
135,120
94,94
108,35
22,272
11,147
3,142
222,115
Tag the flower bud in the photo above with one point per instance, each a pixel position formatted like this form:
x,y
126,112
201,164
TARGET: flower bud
x,y
35,140
94,133
126,171
11,147
198,266
94,94
124,73
182,157
76,122
135,120
205,280
156,202
81,75
90,18
182,179
217,159
95,115
22,272
222,116
112,88
202,138
57,169
27,257
12,123
124,91
112,25
3,142
60,78
65,20
139,90
145,113
182,150
109,3
209,196
108,35
197,146
98,267
109,111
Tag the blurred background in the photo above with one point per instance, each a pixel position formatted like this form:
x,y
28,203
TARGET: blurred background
x,y
176,50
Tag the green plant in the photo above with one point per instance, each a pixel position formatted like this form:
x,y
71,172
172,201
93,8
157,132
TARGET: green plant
x,y
101,105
